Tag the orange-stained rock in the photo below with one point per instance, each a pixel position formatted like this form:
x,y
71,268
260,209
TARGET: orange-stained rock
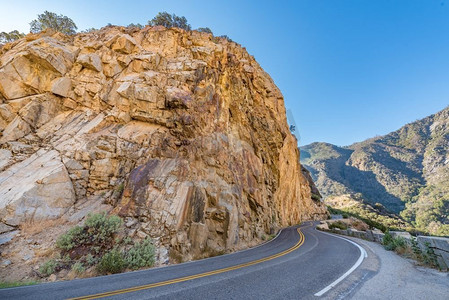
x,y
182,134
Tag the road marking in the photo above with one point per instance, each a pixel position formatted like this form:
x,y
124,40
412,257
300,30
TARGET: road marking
x,y
363,254
354,286
191,277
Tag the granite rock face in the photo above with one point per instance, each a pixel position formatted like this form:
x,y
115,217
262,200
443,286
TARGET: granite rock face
x,y
180,133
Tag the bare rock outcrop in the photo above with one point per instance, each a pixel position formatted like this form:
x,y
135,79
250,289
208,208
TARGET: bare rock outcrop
x,y
180,133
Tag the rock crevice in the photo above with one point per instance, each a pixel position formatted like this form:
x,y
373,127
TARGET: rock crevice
x,y
182,132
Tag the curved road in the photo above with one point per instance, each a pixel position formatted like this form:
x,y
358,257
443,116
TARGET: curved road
x,y
298,264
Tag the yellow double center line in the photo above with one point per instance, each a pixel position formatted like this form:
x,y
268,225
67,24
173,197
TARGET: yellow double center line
x,y
210,273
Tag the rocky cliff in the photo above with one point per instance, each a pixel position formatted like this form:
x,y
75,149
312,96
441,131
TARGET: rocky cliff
x,y
180,133
406,171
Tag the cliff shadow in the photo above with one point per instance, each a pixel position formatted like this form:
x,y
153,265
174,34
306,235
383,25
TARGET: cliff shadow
x,y
366,183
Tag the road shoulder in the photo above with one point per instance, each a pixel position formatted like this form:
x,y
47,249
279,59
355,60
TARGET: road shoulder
x,y
386,275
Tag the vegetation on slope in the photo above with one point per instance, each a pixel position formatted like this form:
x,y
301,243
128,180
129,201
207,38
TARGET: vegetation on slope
x,y
411,249
376,216
65,25
54,21
406,172
99,243
10,284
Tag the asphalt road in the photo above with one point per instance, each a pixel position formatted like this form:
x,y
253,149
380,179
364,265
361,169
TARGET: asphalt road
x,y
297,264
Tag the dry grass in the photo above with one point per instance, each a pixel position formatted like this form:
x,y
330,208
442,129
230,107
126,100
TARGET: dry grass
x,y
349,222
31,228
36,239
8,284
406,252
175,257
359,225
45,252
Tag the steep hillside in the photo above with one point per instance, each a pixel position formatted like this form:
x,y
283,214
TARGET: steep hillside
x,y
407,171
180,133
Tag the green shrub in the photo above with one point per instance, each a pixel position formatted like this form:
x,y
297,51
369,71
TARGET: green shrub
x,y
400,242
429,256
415,247
226,38
140,255
393,243
48,267
137,26
68,240
99,244
388,241
78,268
90,259
316,197
170,20
400,246
112,262
204,29
66,259
120,188
101,228
97,231
338,224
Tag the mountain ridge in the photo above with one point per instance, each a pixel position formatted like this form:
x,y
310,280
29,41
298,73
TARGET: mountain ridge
x,y
406,171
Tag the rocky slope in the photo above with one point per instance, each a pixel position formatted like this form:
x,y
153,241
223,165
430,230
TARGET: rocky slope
x,y
407,171
180,133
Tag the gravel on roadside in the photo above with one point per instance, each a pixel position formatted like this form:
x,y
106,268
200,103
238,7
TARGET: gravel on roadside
x,y
399,278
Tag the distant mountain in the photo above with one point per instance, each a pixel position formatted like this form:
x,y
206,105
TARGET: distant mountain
x,y
406,171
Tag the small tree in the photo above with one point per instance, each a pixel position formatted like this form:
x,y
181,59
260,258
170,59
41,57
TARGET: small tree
x,y
54,21
204,29
8,37
169,20
226,37
138,26
89,30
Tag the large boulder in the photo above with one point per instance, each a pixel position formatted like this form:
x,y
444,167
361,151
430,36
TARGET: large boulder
x,y
37,188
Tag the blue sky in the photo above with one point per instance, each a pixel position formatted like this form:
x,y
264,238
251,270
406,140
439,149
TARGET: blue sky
x,y
349,70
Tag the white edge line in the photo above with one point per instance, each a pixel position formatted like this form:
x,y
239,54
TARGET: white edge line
x,y
363,254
